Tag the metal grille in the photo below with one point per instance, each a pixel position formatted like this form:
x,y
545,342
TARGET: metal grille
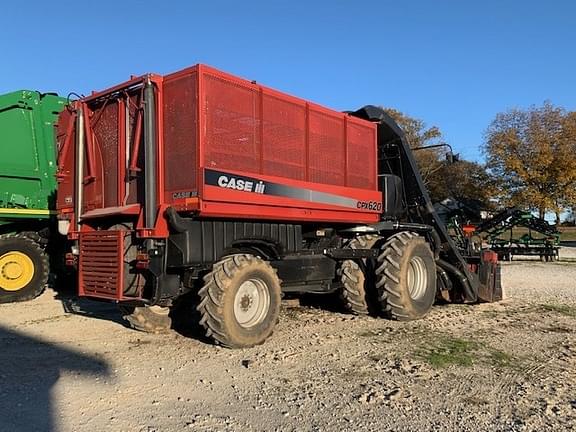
x,y
105,126
361,166
284,138
232,125
101,264
180,127
327,161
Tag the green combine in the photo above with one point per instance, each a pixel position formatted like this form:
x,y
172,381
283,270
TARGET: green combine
x,y
27,191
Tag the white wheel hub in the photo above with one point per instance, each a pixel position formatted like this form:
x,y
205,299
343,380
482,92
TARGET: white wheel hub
x,y
417,278
251,303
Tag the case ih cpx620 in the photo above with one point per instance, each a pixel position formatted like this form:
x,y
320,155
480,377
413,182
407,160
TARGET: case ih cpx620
x,y
203,184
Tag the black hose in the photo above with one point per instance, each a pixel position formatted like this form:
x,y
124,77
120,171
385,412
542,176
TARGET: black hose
x,y
178,224
437,244
471,296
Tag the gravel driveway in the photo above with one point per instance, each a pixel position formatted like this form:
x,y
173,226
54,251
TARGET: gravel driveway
x,y
509,366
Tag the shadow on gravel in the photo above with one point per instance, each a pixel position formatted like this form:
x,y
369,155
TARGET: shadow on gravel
x,y
29,368
92,309
186,319
327,302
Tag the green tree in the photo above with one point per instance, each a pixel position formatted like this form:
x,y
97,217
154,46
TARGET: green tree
x,y
420,135
530,153
462,179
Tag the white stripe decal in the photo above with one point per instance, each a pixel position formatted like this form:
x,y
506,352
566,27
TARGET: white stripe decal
x,y
39,212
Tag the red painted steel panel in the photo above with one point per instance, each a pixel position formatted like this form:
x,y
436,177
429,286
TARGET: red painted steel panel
x,y
104,123
361,171
283,137
208,119
134,100
180,132
327,149
232,130
66,140
303,215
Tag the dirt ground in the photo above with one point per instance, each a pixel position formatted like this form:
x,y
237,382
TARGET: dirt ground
x,y
509,366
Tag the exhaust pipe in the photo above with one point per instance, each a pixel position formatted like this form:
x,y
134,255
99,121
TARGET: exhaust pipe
x,y
79,177
150,157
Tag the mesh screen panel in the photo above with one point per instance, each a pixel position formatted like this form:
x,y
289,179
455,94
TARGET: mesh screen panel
x,y
105,126
284,138
361,165
327,155
253,129
180,126
232,125
136,184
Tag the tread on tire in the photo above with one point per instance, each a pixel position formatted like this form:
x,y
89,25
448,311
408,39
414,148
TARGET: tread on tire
x,y
358,292
34,251
400,254
218,298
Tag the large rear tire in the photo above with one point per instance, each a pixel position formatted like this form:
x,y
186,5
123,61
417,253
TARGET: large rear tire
x,y
240,301
24,269
358,292
406,277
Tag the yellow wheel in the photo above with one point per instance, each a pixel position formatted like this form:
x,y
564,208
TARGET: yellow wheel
x,y
16,271
24,268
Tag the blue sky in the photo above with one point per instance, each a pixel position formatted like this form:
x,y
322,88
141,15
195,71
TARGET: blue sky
x,y
454,64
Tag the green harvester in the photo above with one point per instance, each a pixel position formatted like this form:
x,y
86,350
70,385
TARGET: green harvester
x,y
27,191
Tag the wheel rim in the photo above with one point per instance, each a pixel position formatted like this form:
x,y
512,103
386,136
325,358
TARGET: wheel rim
x,y
251,303
16,271
417,278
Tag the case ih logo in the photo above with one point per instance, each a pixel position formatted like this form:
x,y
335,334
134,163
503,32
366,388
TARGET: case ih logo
x,y
229,182
254,185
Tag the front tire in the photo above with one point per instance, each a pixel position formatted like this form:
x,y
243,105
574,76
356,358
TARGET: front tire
x,y
406,277
24,269
240,301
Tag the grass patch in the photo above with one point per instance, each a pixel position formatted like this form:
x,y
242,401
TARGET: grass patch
x,y
562,309
566,310
448,351
568,233
501,359
451,351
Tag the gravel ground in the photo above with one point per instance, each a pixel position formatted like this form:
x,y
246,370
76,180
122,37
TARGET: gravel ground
x,y
508,366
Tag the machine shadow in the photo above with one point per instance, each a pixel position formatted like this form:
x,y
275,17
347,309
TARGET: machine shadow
x,y
329,302
30,369
90,308
186,319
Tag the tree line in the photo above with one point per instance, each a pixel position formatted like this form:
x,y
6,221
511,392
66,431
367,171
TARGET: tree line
x,y
530,161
